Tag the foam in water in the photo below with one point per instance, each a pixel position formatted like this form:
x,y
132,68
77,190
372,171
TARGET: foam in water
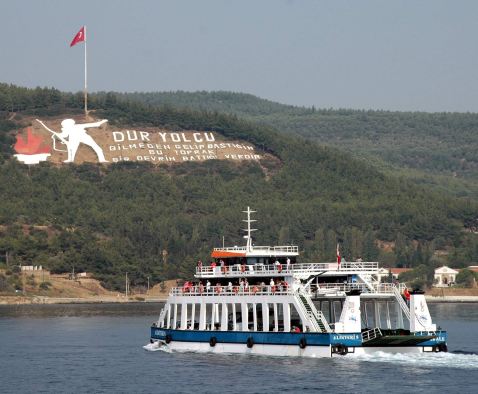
x,y
462,360
457,359
154,347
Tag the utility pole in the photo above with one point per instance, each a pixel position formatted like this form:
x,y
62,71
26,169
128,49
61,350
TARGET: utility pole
x,y
23,280
126,286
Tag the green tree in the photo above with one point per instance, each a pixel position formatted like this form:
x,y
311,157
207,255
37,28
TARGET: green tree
x,y
466,278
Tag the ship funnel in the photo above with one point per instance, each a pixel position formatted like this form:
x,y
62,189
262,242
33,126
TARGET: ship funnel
x,y
420,319
350,318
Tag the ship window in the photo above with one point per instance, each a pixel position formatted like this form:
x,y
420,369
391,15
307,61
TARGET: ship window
x,y
178,310
252,260
280,317
209,317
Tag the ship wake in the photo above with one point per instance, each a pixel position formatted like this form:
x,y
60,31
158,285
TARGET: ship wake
x,y
457,359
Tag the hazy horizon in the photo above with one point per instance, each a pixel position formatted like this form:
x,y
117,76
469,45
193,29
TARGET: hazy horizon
x,y
369,55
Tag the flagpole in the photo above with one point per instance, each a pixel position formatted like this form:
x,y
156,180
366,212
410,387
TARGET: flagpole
x,y
86,84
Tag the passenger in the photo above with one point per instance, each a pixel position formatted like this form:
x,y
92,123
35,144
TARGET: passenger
x,y
223,266
199,265
213,265
208,286
406,294
187,287
288,264
246,285
229,287
272,286
297,330
278,266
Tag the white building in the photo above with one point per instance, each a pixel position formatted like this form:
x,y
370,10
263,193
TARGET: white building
x,y
445,276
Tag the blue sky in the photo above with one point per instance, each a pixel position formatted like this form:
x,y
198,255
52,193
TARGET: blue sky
x,y
394,55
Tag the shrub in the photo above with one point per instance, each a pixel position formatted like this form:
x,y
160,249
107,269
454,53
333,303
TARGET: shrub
x,y
44,285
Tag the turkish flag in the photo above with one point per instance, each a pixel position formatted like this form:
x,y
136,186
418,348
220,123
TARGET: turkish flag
x,y
80,36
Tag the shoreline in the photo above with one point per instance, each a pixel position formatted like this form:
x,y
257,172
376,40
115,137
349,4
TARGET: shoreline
x,y
445,299
43,300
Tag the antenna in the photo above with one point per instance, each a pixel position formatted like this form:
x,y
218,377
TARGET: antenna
x,y
249,230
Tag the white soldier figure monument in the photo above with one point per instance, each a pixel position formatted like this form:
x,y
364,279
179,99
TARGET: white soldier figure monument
x,y
73,134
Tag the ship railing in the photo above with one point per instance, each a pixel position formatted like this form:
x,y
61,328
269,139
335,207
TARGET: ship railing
x,y
227,291
282,269
265,249
374,333
378,288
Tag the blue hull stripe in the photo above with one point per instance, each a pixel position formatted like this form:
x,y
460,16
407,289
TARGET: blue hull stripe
x,y
269,338
275,338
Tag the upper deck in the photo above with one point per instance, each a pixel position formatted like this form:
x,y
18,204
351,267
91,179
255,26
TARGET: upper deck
x,y
298,270
256,251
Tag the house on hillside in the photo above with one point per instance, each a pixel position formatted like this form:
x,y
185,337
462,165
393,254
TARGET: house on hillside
x,y
397,271
473,268
383,273
445,276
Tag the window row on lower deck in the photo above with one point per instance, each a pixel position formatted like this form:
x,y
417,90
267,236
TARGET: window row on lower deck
x,y
232,317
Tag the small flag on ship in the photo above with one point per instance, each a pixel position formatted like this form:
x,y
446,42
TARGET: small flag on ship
x,y
339,259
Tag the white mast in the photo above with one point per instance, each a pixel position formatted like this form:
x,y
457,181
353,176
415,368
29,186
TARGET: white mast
x,y
249,229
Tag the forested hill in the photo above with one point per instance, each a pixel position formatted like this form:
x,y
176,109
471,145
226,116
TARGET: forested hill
x,y
440,149
158,221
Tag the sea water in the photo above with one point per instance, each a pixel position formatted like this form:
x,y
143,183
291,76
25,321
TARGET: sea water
x,y
81,348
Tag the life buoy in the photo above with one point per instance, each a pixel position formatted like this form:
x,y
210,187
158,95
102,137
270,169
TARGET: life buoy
x,y
250,342
169,338
212,341
303,343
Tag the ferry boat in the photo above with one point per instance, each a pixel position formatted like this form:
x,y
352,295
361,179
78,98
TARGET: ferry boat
x,y
261,300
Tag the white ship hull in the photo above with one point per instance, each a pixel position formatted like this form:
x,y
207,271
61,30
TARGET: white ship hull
x,y
281,350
